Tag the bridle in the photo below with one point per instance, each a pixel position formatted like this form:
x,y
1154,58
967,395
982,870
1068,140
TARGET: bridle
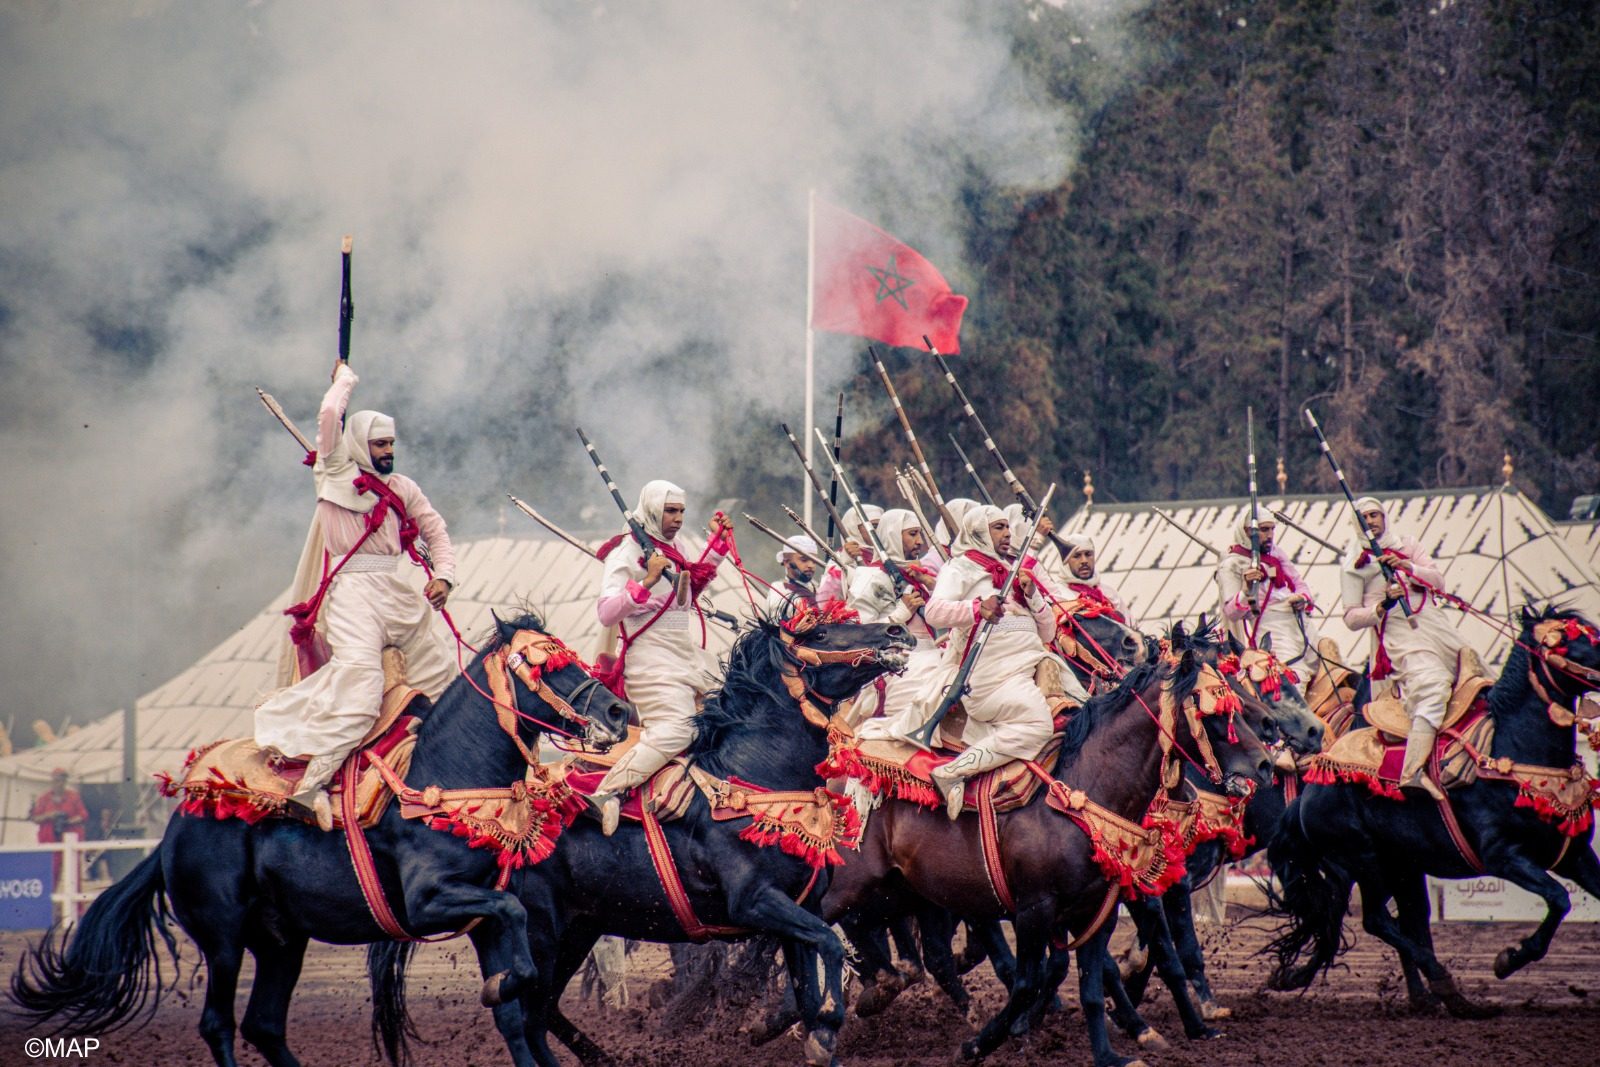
x,y
799,658
525,658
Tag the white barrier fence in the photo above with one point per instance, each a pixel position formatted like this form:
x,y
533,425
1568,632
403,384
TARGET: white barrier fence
x,y
69,896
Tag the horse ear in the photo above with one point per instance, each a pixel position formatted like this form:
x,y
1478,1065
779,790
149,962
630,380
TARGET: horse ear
x,y
1180,636
1266,642
503,628
1234,645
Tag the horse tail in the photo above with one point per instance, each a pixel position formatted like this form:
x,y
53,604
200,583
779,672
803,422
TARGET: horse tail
x,y
1312,897
110,969
392,1027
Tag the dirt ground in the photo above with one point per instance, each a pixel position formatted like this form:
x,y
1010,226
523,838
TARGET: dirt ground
x,y
1550,1014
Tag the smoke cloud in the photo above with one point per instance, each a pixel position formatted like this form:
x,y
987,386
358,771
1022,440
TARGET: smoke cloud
x,y
565,213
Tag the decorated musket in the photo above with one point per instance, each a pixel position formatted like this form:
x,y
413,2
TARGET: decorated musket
x,y
983,490
278,413
347,304
1287,521
816,483
1030,507
905,481
784,541
916,448
641,536
959,685
833,487
1253,590
890,567
844,563
1181,528
1372,542
552,527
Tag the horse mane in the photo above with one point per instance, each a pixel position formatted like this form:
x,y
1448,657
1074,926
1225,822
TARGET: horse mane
x,y
760,647
1103,707
526,619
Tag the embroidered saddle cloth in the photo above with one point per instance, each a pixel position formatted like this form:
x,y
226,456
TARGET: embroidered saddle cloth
x,y
238,779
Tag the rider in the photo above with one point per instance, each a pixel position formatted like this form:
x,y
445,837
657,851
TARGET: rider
x,y
1084,583
857,546
794,591
1285,604
1421,653
872,597
666,667
369,604
1007,717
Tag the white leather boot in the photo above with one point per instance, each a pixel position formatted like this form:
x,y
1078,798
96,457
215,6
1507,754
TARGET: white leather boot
x,y
631,771
1419,749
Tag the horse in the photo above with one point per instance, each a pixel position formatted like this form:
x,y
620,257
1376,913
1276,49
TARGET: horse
x,y
1339,835
1276,710
1112,756
764,726
270,886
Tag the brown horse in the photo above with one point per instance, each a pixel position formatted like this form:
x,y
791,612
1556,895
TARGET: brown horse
x,y
1117,752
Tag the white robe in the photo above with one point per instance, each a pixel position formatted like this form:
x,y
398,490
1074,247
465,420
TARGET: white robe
x,y
1294,633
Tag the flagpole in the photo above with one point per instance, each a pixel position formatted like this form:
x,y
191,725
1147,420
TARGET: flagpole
x,y
811,355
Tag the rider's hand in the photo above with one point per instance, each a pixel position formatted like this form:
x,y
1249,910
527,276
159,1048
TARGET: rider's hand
x,y
991,609
852,548
437,592
720,524
337,364
1046,526
1255,574
1025,583
654,568
1394,562
1297,601
912,599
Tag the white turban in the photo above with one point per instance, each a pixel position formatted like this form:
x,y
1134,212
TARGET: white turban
x,y
891,527
336,474
799,543
1371,503
1241,532
958,508
653,499
975,530
853,520
1078,540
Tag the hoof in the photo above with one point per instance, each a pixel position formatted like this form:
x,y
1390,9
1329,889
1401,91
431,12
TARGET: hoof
x,y
1211,1011
910,973
1426,1005
1504,965
968,1053
818,1048
878,996
491,989
1151,1039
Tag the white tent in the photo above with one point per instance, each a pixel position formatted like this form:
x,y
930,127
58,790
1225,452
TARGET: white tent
x,y
215,697
1497,548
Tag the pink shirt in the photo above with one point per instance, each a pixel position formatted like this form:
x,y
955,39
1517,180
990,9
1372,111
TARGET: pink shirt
x,y
342,528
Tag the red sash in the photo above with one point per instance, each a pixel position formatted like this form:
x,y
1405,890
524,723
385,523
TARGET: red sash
x,y
998,573
1095,602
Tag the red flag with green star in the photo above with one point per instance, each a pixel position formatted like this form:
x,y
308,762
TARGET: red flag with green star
x,y
869,284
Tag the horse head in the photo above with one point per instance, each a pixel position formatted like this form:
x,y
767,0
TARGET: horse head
x,y
556,691
1566,647
1274,705
1206,718
833,656
1096,645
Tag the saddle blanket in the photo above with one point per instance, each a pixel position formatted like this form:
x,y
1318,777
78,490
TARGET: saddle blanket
x,y
1374,755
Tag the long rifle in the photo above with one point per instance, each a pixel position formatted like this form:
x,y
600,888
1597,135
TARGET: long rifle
x,y
816,483
890,567
1253,590
552,527
1030,507
983,490
1372,542
782,540
959,685
1181,528
837,557
288,423
1287,521
641,536
916,448
833,487
904,481
347,305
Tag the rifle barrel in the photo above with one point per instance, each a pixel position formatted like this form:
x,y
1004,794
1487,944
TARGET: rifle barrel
x,y
1372,542
523,507
911,436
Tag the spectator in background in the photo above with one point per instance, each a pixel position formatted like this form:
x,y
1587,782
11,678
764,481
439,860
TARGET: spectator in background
x,y
58,812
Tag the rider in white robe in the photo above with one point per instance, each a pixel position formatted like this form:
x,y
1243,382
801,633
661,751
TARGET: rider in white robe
x,y
1286,614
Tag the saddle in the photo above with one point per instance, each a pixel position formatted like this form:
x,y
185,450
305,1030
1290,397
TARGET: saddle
x,y
239,779
1374,754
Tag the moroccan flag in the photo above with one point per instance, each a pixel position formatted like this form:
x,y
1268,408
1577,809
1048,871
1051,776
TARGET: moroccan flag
x,y
871,285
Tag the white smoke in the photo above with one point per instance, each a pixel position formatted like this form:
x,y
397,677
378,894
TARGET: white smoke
x,y
565,213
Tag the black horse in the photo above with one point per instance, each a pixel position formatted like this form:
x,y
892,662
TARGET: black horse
x,y
271,887
1336,836
751,729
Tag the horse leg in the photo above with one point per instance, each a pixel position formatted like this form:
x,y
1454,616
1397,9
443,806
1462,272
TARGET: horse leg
x,y
496,964
1180,920
266,1013
905,945
1032,938
1582,866
816,963
992,938
1057,964
1092,960
1522,871
880,981
1376,920
1170,966
1123,1008
1414,909
545,1000
938,928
